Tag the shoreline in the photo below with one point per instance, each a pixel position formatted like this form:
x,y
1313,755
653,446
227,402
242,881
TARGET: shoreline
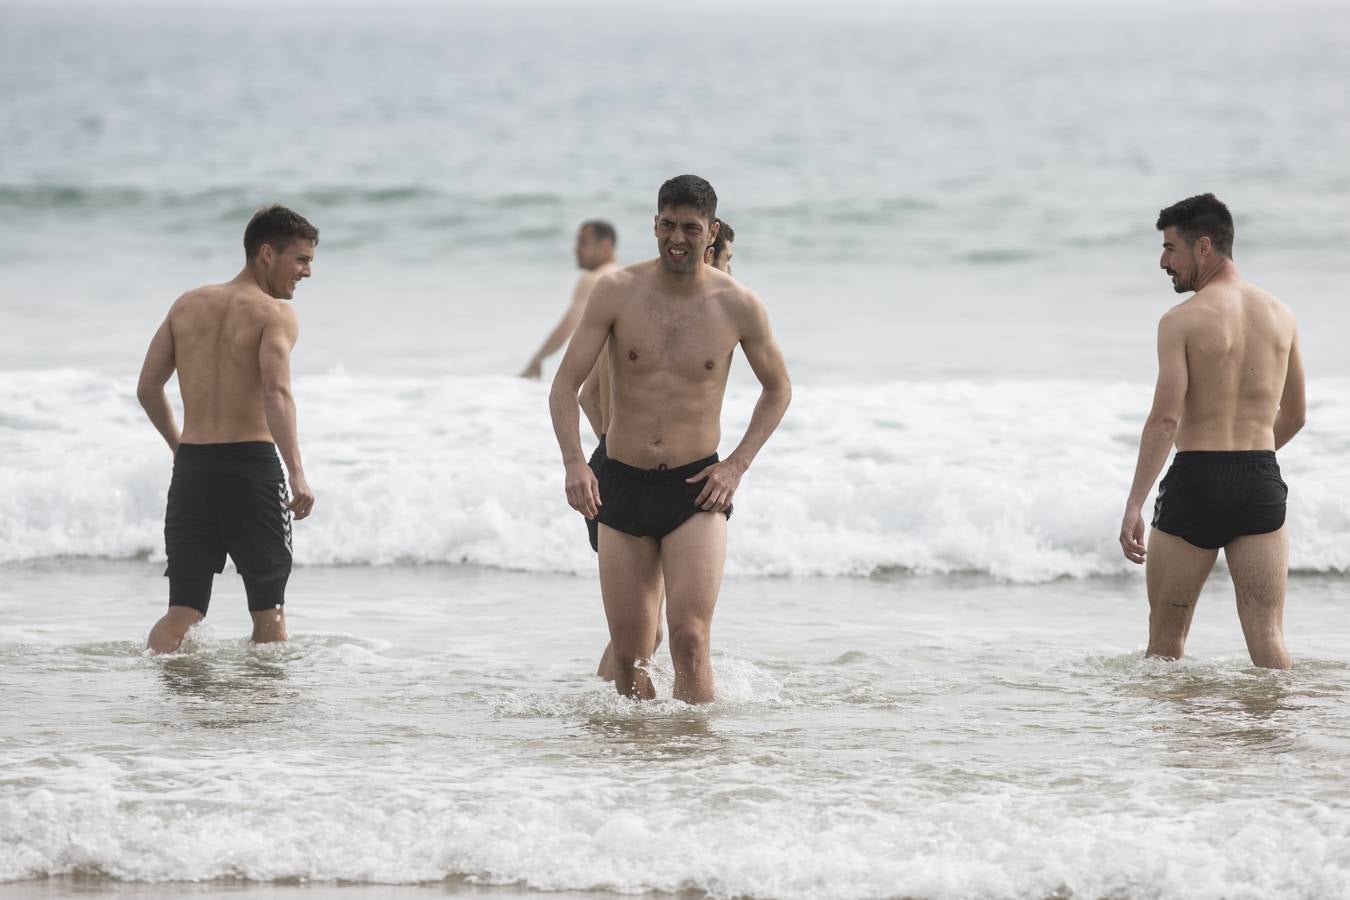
x,y
61,886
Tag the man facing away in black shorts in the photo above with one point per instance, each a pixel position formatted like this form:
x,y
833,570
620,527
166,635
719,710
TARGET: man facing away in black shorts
x,y
231,346
1229,394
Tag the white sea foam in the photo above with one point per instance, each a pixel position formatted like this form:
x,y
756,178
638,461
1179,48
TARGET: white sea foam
x,y
251,824
1024,480
928,738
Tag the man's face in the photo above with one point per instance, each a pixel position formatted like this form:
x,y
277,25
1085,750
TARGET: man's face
x,y
285,268
721,260
682,233
1179,260
590,249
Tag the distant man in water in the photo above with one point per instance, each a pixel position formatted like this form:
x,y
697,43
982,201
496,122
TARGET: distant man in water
x,y
718,255
663,496
231,345
596,240
1229,394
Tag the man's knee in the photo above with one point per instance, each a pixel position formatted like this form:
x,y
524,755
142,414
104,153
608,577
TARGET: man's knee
x,y
629,651
630,675
265,593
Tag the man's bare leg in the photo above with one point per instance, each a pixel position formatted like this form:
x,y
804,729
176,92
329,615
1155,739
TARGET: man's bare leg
x,y
168,633
1175,571
692,558
269,626
630,582
606,668
1259,564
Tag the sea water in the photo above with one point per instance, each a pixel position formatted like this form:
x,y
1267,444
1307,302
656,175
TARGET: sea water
x,y
928,650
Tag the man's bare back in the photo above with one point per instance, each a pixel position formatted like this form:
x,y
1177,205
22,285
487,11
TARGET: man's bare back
x,y
1238,340
217,334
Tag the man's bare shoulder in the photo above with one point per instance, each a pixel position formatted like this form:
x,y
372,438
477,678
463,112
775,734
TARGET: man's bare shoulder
x,y
739,301
1278,307
633,274
216,301
623,282
611,290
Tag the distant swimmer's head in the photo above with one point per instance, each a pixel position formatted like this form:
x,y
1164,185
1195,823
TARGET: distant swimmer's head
x,y
1197,237
686,217
596,240
718,254
278,247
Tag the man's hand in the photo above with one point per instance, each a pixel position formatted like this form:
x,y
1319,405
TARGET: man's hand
x,y
723,478
583,491
534,370
1132,535
302,498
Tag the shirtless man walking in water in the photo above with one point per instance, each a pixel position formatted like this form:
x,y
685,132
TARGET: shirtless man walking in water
x,y
663,496
231,346
594,399
1229,394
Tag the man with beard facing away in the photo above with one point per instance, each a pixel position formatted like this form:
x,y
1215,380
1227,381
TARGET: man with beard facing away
x,y
1229,394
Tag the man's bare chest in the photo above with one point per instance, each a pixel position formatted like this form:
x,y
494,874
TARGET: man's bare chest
x,y
689,339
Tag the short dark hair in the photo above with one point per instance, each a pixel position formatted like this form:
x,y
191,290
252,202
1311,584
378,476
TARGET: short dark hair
x,y
278,226
1203,215
725,235
688,190
602,230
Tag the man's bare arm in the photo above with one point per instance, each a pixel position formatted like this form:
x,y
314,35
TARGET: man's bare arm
x,y
766,361
155,373
589,398
1160,431
1293,402
274,362
563,330
587,341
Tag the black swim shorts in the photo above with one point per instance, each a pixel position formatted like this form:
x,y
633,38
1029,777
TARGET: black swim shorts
x,y
227,498
1208,498
595,462
649,502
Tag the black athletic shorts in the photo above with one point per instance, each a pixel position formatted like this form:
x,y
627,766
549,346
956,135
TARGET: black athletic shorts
x,y
595,462
227,498
649,502
1208,498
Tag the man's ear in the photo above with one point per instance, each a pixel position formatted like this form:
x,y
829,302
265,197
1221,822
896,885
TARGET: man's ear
x,y
1204,246
267,254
